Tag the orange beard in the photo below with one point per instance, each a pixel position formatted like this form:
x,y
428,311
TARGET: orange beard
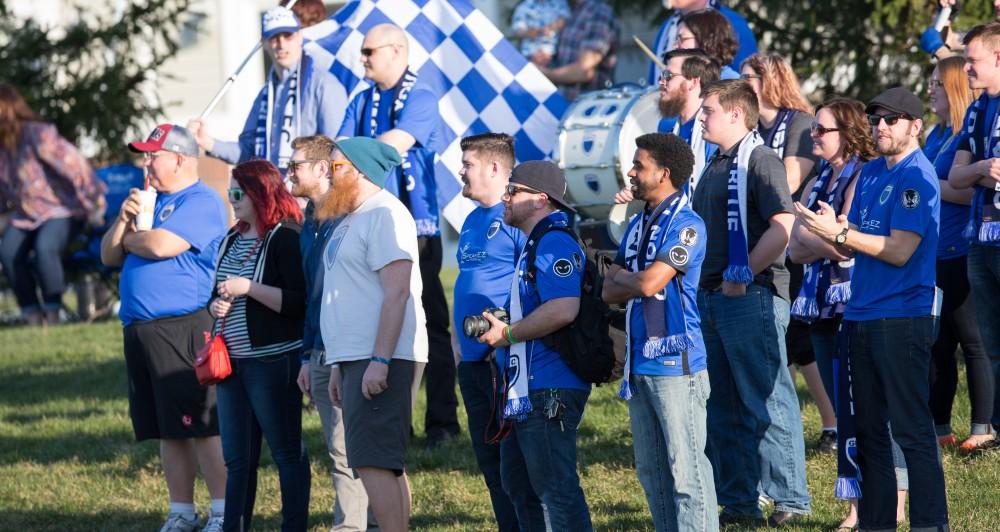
x,y
339,200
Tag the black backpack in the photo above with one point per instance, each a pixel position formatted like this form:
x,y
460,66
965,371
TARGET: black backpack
x,y
584,345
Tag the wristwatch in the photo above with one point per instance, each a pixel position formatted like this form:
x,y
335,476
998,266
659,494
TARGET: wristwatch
x,y
841,238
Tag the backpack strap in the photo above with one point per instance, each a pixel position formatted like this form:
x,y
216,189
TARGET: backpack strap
x,y
532,269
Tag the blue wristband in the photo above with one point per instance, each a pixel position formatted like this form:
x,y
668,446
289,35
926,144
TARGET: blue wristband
x,y
380,360
931,40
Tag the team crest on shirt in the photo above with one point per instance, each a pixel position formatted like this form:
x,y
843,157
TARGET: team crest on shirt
x,y
885,195
492,231
562,268
679,255
688,236
910,198
166,212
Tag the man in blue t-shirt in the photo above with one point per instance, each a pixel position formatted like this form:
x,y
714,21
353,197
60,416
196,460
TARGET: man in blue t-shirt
x,y
543,396
656,273
667,35
487,251
892,232
977,166
402,111
166,280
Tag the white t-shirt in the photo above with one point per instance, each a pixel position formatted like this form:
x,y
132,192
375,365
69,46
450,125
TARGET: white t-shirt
x,y
379,232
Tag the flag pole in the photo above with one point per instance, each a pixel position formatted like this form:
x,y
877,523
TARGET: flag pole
x,y
645,49
234,76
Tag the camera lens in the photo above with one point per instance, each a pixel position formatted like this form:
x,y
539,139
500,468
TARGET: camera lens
x,y
474,326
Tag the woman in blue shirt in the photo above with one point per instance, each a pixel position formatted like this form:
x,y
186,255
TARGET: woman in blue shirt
x,y
948,96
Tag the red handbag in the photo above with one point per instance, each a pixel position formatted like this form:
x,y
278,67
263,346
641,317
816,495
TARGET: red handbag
x,y
212,364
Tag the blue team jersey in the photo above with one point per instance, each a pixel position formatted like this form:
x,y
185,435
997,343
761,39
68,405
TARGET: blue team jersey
x,y
412,182
559,261
153,289
906,197
940,148
965,141
487,251
688,233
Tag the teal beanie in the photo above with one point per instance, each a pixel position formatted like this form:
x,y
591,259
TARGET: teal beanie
x,y
371,157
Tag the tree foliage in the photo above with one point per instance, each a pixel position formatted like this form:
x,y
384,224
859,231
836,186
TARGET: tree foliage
x,y
93,79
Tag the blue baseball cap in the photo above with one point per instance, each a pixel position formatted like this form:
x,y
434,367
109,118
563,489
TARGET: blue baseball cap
x,y
278,20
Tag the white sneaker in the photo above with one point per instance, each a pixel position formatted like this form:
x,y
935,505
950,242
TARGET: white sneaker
x,y
213,524
178,523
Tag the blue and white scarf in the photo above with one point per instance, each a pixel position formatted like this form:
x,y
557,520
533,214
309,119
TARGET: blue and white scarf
x,y
518,366
666,38
291,118
848,473
698,147
806,307
985,202
777,137
739,270
663,312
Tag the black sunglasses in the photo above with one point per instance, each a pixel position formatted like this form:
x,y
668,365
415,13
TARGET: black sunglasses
x,y
890,119
294,165
367,52
236,194
819,130
513,190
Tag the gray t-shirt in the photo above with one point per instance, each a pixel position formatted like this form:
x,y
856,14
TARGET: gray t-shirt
x,y
767,191
798,142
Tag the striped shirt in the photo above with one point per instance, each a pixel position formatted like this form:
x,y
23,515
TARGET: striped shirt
x,y
240,261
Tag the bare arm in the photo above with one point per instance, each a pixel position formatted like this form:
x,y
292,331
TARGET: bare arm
x,y
548,318
796,169
112,250
797,250
395,279
156,244
399,139
896,249
580,71
612,292
821,248
954,195
966,174
647,282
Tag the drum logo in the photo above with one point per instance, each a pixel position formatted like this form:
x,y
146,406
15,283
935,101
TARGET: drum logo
x,y
593,182
588,142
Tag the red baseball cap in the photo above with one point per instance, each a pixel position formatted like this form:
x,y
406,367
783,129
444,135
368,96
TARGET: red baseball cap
x,y
168,137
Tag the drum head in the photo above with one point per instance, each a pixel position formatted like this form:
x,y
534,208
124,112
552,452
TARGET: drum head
x,y
618,218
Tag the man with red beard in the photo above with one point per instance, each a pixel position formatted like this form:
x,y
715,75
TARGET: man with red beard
x,y
373,328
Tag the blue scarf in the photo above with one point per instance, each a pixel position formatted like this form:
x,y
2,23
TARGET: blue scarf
x,y
985,212
848,472
778,135
738,270
663,312
291,114
806,307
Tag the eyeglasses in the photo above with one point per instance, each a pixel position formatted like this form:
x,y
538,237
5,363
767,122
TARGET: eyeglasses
x,y
513,190
819,130
367,52
890,119
684,38
935,83
334,165
746,77
293,165
236,194
667,75
147,156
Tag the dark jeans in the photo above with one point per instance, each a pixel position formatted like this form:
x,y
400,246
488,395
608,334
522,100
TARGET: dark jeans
x,y
544,451
958,326
48,241
441,418
890,361
261,397
476,380
984,279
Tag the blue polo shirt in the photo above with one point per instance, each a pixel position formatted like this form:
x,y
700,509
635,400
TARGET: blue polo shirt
x,y
487,251
906,197
559,261
152,289
412,182
940,148
687,232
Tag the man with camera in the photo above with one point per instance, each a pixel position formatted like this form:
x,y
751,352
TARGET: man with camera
x,y
656,273
487,249
544,397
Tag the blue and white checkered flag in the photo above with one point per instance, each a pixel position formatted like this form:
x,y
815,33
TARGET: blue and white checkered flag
x,y
485,84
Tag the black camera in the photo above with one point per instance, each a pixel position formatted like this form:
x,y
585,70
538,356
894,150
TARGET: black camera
x,y
475,325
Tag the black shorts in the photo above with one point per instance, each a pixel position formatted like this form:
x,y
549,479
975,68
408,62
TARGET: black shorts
x,y
797,340
165,400
377,430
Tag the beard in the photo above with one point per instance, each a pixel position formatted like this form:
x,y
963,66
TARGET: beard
x,y
671,105
301,190
339,200
891,146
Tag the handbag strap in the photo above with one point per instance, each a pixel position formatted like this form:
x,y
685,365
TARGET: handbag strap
x,y
256,246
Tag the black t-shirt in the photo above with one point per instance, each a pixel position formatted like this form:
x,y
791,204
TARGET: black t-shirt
x,y
767,191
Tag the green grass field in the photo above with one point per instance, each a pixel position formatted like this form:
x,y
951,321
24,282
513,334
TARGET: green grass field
x,y
68,461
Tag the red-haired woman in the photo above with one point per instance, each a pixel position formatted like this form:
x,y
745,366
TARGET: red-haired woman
x,y
260,303
50,190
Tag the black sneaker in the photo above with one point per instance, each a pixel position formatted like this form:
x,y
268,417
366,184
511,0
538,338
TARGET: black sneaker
x,y
828,442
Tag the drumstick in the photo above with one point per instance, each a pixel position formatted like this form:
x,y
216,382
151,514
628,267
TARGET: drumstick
x,y
645,49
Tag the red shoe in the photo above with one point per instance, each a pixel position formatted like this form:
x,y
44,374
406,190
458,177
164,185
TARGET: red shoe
x,y
947,441
969,446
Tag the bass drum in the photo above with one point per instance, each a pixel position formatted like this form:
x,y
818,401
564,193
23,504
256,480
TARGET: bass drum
x,y
596,145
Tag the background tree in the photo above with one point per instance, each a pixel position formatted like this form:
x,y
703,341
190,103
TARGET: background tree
x,y
94,79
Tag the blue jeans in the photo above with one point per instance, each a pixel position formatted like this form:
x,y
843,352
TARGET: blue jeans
x,y
984,279
476,380
825,347
668,435
890,360
544,451
262,398
49,241
754,423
